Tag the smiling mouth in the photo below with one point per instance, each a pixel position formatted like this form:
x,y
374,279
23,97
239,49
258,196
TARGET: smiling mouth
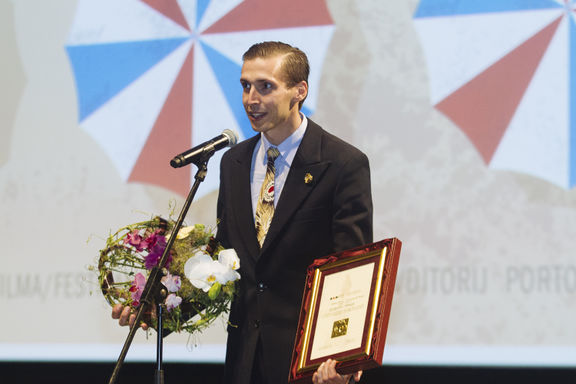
x,y
256,115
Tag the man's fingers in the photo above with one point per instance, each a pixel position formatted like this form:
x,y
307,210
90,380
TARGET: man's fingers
x,y
331,369
327,374
124,316
117,311
315,379
131,320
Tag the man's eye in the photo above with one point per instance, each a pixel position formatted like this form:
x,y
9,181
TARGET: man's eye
x,y
267,85
246,86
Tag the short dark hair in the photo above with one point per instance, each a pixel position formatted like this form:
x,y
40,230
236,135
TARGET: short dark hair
x,y
295,66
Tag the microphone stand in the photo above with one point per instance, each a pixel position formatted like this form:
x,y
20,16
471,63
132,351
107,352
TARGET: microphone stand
x,y
153,291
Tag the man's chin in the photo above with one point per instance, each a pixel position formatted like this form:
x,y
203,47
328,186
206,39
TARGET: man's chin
x,y
258,127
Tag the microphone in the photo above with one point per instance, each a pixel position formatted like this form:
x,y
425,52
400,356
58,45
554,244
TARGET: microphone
x,y
228,138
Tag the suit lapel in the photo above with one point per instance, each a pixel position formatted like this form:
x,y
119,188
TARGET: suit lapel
x,y
242,199
296,189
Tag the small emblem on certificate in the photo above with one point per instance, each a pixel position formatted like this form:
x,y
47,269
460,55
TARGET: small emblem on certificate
x,y
340,328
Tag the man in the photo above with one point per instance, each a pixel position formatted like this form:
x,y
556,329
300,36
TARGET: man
x,y
321,204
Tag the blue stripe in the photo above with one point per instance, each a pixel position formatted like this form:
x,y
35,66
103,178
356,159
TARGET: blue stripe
x,y
228,74
201,7
103,70
432,8
572,132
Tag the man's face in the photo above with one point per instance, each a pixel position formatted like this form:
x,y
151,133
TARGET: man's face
x,y
271,106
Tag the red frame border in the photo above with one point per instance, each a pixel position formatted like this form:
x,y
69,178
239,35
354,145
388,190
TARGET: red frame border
x,y
356,359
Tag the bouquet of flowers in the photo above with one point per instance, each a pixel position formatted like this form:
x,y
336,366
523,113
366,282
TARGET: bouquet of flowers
x,y
200,275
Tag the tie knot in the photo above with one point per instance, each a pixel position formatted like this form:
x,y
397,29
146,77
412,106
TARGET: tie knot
x,y
272,153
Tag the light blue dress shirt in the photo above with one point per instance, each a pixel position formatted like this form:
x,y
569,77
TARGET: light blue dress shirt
x,y
282,164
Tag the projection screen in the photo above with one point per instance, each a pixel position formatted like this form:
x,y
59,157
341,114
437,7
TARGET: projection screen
x,y
463,108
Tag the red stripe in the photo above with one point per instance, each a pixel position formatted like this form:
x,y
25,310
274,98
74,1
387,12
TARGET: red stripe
x,y
484,106
170,9
170,135
253,15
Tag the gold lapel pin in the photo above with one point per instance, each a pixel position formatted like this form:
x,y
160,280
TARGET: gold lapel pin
x,y
308,178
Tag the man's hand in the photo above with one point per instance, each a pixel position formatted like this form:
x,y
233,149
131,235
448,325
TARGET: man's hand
x,y
326,374
125,316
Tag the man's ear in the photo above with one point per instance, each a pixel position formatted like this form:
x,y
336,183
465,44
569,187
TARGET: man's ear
x,y
301,92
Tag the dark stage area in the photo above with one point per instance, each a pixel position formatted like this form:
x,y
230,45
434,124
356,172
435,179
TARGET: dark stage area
x,y
141,373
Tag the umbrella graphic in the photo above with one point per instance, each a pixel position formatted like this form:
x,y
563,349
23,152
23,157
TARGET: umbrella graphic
x,y
155,77
504,71
13,81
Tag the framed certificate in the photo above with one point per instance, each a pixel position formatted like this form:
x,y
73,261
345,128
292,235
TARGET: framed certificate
x,y
345,310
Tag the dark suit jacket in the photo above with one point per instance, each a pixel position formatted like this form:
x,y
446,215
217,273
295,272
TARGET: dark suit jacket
x,y
331,213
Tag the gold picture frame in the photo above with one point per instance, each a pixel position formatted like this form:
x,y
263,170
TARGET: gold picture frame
x,y
345,310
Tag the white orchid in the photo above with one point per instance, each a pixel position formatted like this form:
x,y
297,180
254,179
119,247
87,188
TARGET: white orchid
x,y
171,282
172,301
198,269
203,272
229,258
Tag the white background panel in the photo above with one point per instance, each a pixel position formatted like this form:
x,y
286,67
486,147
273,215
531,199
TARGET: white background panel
x,y
215,11
458,48
536,141
109,21
123,124
211,115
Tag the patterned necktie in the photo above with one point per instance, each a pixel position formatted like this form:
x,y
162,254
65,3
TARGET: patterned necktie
x,y
265,206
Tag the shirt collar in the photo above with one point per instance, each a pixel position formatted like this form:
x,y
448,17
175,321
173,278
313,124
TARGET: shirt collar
x,y
290,145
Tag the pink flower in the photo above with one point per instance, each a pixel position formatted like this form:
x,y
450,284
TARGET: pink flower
x,y
154,239
135,240
151,260
171,282
155,244
172,301
137,288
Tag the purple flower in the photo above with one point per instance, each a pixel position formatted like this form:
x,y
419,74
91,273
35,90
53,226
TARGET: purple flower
x,y
155,245
172,301
154,239
151,260
137,288
172,282
135,240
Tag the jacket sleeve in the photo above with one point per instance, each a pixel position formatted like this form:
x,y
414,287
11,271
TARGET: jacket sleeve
x,y
352,215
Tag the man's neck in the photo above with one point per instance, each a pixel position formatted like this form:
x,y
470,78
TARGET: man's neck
x,y
277,136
